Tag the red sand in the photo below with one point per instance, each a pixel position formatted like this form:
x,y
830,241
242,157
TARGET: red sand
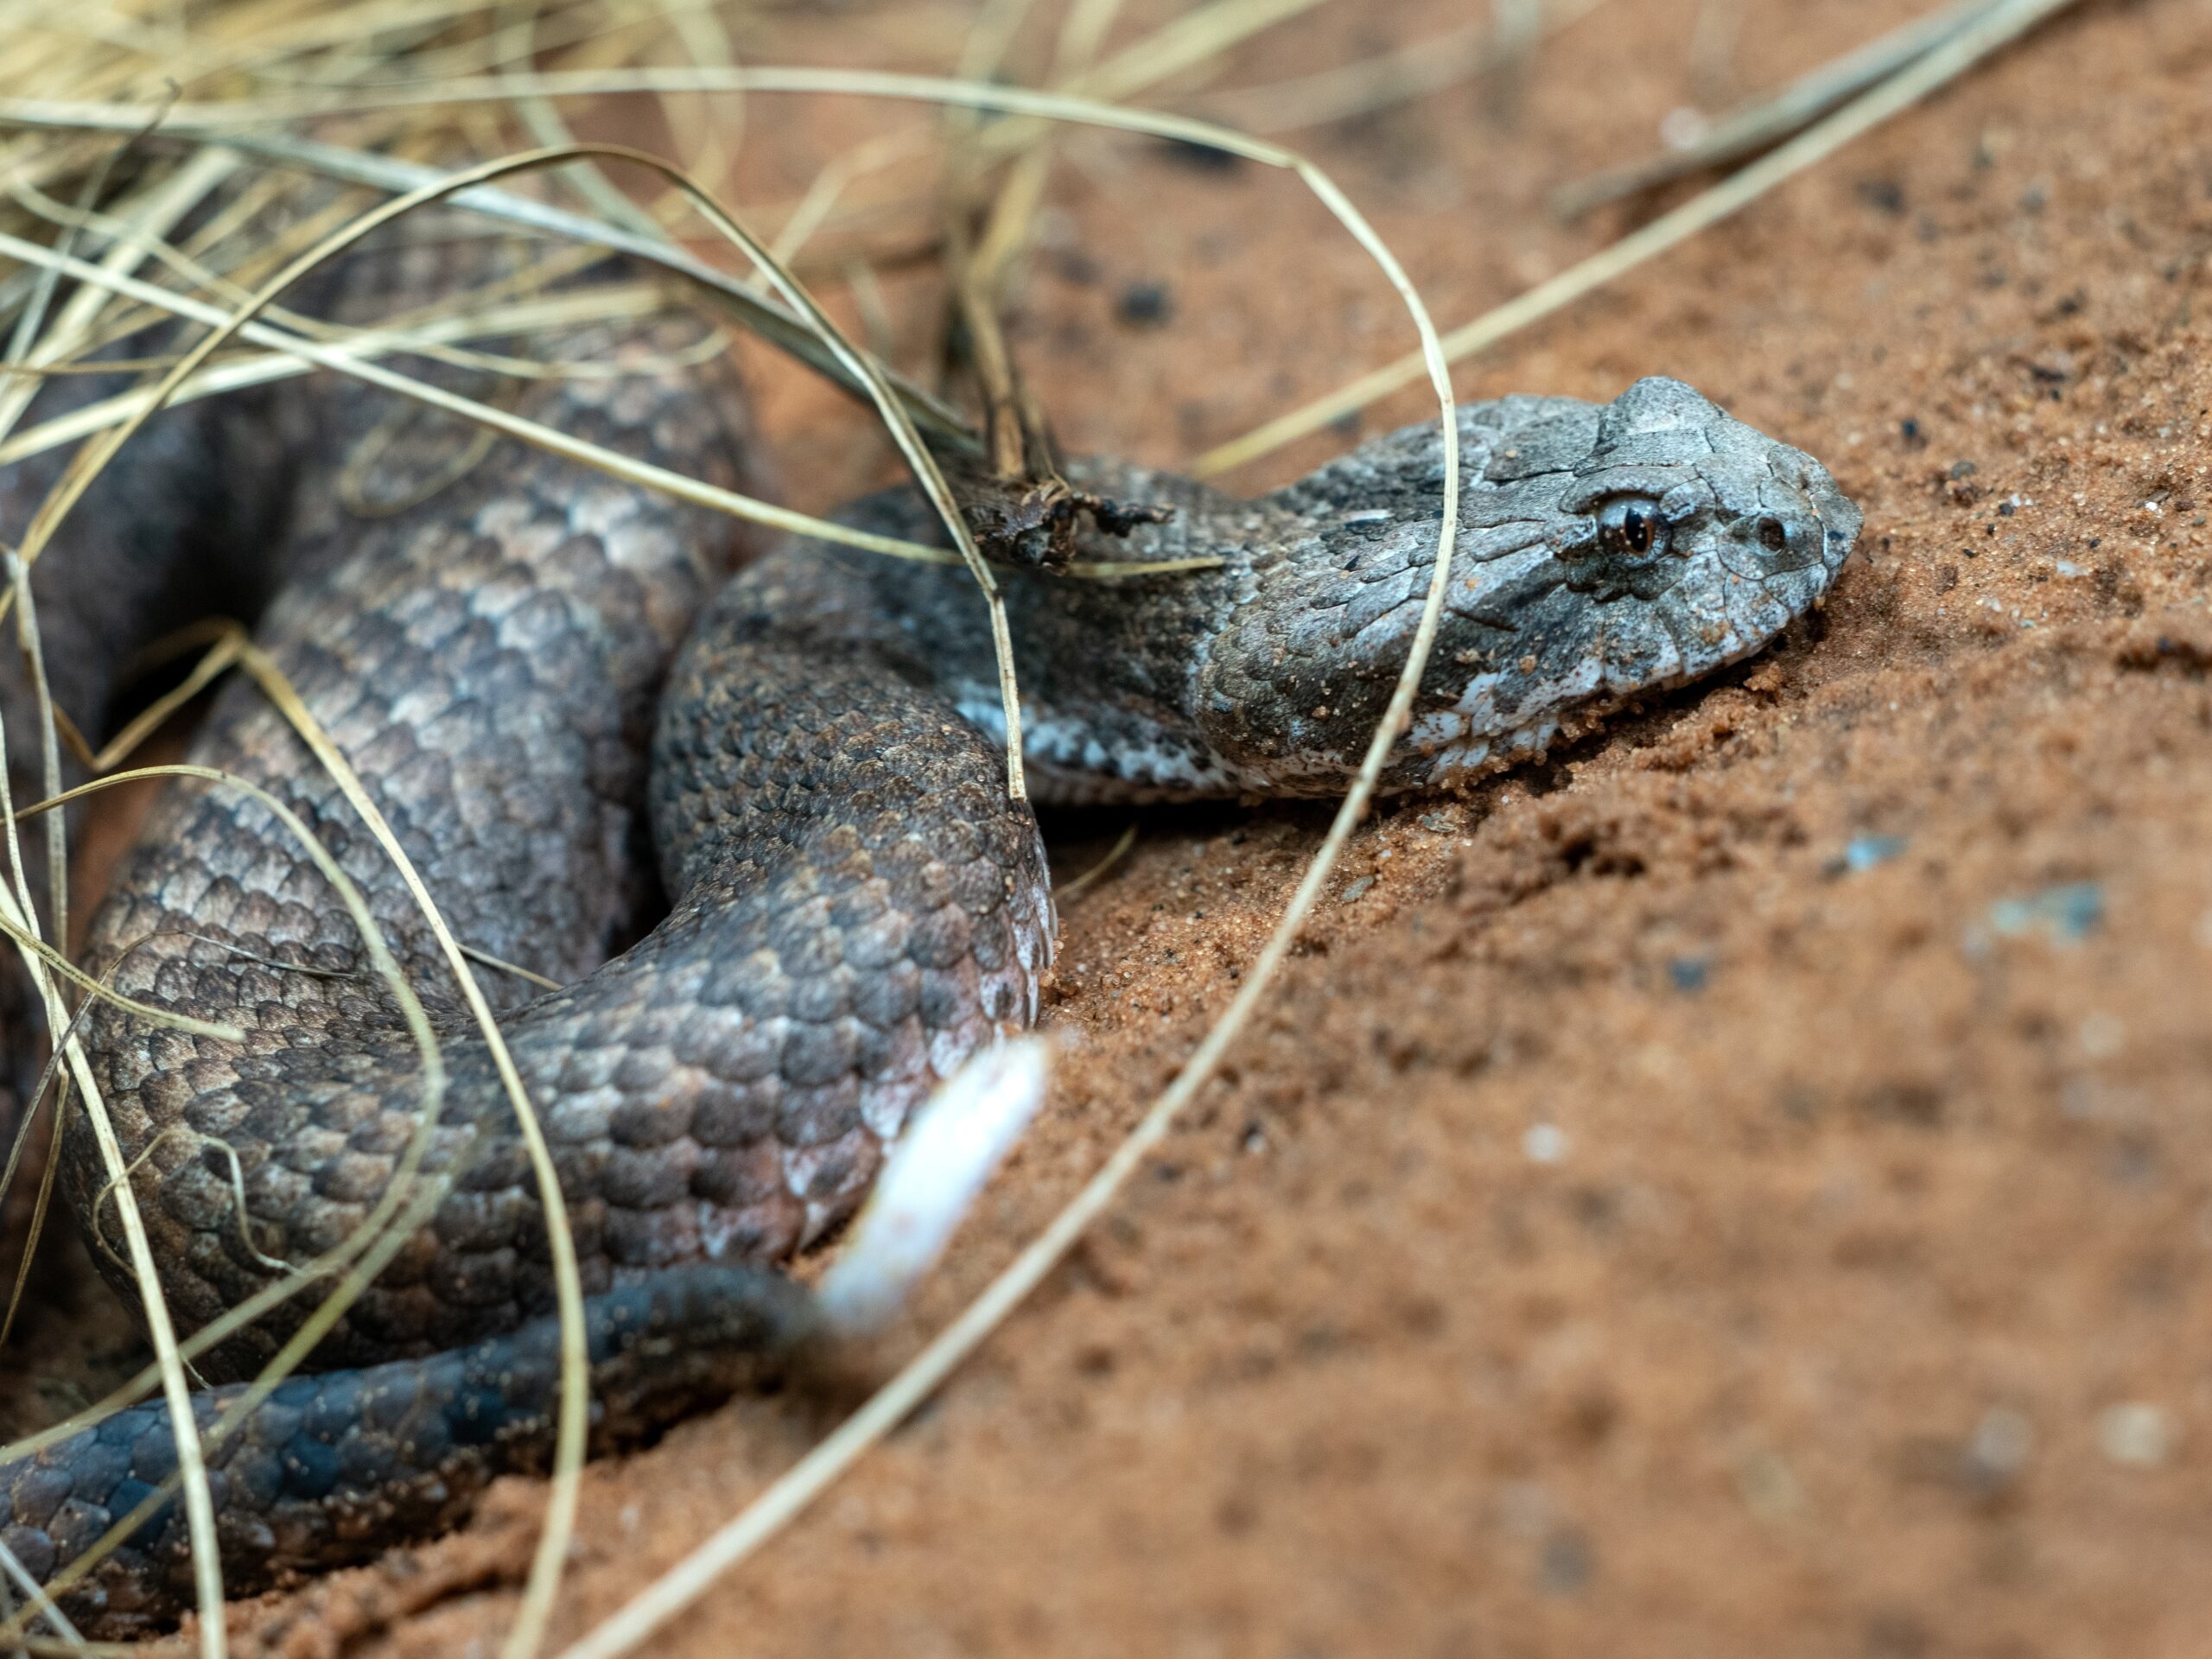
x,y
1861,1308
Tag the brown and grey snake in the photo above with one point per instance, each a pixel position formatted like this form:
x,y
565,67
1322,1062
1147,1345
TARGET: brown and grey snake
x,y
756,826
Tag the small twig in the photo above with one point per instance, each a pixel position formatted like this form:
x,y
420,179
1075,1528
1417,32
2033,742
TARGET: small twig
x,y
1016,441
1007,442
1768,122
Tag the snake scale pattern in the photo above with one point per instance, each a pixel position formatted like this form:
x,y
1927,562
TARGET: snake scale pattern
x,y
754,825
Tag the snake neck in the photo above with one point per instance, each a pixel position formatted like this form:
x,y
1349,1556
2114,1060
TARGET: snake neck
x,y
1601,552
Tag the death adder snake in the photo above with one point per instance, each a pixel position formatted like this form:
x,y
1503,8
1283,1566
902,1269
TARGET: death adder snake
x,y
567,708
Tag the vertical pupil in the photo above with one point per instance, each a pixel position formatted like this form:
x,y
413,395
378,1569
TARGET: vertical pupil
x,y
1635,529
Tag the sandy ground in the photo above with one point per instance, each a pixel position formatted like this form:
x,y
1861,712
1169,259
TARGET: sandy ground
x,y
1744,1188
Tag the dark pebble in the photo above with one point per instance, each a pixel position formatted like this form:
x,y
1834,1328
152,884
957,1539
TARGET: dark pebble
x,y
1145,303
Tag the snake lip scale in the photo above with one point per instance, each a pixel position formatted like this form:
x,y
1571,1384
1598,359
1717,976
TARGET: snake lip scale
x,y
754,825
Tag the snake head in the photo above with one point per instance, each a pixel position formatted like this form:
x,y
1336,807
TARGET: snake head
x,y
1610,550
1602,552
1671,479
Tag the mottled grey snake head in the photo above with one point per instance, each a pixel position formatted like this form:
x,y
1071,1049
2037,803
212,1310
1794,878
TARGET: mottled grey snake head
x,y
1605,550
1673,492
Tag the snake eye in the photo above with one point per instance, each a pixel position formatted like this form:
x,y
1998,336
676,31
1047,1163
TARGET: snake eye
x,y
1631,526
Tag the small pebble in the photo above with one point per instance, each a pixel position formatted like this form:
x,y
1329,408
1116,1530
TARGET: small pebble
x,y
1567,1562
1768,1489
1886,195
2065,914
2136,1433
2102,1036
1356,890
1681,127
1076,266
1690,973
1544,1143
1870,852
1145,303
1997,1450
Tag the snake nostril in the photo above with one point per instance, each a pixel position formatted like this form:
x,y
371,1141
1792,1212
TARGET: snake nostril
x,y
1774,535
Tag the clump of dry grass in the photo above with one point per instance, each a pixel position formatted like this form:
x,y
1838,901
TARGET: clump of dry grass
x,y
137,186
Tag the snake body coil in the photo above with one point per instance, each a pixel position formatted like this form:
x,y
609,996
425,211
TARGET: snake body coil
x,y
538,670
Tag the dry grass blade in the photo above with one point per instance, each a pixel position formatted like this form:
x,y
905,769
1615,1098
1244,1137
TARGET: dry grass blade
x,y
151,216
762,316
57,840
1197,38
831,181
27,1122
24,939
799,1486
40,1602
230,123
621,303
220,657
134,407
351,359
1068,892
2000,25
529,976
1377,83
96,1236
546,127
1187,42
418,332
